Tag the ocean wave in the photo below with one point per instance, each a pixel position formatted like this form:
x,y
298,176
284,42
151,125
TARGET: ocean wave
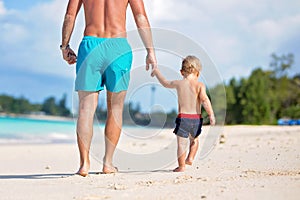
x,y
51,138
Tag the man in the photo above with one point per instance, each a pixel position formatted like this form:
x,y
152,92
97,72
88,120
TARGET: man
x,y
104,58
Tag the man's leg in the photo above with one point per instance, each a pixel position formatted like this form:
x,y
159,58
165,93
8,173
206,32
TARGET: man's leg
x,y
181,153
194,144
88,102
115,103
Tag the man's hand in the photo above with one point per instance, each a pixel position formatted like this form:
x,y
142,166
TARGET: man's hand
x,y
69,55
151,60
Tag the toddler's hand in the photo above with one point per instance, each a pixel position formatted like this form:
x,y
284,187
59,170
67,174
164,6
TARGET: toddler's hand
x,y
212,120
154,72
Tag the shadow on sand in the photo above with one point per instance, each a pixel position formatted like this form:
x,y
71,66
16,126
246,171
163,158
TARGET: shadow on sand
x,y
66,175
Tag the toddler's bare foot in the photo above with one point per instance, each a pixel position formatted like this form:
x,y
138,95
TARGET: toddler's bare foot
x,y
179,169
189,162
109,169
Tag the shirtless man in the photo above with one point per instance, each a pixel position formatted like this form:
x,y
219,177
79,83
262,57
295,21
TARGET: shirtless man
x,y
104,59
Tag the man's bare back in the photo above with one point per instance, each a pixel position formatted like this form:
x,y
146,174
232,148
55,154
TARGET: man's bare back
x,y
105,18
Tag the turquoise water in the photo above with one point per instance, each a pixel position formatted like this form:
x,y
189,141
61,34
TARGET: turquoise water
x,y
18,130
24,130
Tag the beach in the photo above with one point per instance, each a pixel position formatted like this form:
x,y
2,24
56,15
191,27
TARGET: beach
x,y
245,162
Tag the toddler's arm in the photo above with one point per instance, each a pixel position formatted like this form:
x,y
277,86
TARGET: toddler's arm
x,y
207,105
163,80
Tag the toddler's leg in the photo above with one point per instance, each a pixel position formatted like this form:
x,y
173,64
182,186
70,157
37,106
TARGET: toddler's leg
x,y
194,144
181,153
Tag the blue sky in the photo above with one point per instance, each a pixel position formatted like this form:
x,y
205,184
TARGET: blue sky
x,y
237,35
22,5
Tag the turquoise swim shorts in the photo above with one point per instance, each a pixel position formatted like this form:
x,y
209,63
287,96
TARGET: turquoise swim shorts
x,y
103,62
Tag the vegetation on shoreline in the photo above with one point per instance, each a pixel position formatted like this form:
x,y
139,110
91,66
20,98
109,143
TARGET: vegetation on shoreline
x,y
21,105
265,96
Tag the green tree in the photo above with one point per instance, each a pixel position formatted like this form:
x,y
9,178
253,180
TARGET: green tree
x,y
256,107
281,64
218,100
49,106
241,97
6,103
22,106
231,98
171,116
14,105
289,96
62,108
286,98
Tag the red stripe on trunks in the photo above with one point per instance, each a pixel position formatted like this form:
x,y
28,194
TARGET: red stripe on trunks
x,y
189,116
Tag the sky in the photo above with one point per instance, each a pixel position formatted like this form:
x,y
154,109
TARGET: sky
x,y
238,36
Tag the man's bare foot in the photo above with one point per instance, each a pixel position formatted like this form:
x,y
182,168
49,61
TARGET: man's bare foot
x,y
189,162
109,169
179,169
83,171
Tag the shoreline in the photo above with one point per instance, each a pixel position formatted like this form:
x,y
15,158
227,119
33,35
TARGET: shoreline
x,y
37,117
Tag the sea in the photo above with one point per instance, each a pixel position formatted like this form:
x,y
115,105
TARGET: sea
x,y
40,130
22,130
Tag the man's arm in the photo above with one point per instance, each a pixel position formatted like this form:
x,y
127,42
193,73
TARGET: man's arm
x,y
67,29
207,104
143,25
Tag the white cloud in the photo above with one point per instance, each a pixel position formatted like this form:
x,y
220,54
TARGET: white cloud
x,y
2,8
236,33
31,38
277,30
13,34
169,10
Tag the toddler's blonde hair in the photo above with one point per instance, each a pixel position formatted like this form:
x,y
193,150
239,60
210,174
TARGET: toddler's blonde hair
x,y
191,64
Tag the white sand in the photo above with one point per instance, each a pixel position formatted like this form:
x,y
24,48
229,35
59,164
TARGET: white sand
x,y
254,162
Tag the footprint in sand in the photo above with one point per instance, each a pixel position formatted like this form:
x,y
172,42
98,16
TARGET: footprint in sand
x,y
183,179
117,186
222,139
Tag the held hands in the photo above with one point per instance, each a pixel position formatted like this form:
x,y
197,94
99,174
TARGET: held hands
x,y
69,55
151,60
155,72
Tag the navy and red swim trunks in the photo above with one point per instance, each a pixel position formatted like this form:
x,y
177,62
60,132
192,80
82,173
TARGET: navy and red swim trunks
x,y
188,124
